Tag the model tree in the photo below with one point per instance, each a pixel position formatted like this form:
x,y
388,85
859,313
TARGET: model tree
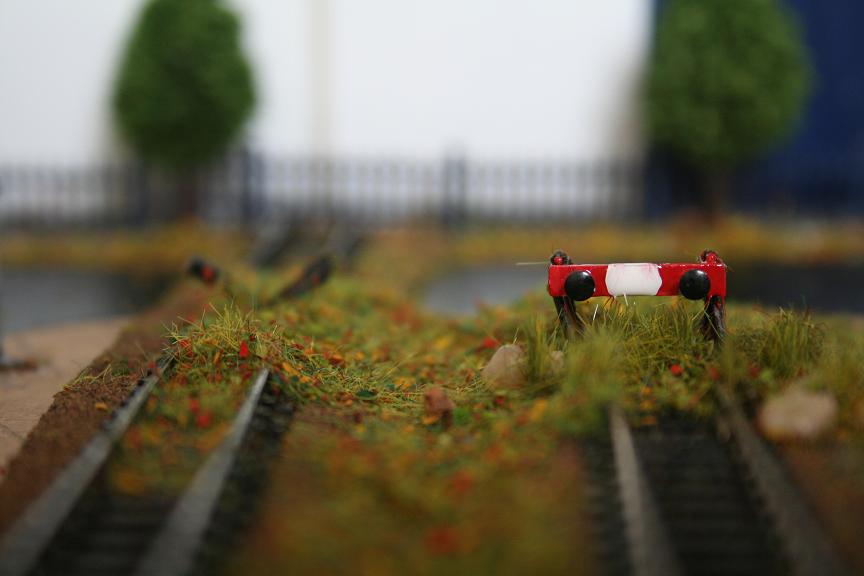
x,y
184,89
728,79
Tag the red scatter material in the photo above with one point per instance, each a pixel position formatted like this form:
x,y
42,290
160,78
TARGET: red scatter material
x,y
441,540
204,419
461,483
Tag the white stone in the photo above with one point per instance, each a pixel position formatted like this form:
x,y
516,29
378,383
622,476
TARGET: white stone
x,y
798,414
504,370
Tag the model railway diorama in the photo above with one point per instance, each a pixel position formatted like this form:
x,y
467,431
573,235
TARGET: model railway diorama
x,y
665,492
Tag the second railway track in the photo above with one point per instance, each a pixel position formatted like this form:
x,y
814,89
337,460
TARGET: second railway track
x,y
686,496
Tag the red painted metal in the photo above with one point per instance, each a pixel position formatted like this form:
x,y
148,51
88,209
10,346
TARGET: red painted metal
x,y
670,274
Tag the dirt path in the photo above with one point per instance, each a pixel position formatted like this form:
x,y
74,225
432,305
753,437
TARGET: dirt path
x,y
61,352
112,367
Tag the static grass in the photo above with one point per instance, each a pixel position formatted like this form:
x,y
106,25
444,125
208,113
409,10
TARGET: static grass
x,y
112,370
841,370
789,343
594,380
369,481
390,503
378,485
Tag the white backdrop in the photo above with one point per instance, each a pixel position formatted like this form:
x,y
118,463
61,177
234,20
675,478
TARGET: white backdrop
x,y
489,78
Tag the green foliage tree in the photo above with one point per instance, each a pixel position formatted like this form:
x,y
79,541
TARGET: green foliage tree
x,y
727,80
184,89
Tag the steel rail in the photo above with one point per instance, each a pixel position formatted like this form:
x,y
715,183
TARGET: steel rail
x,y
805,543
650,548
174,550
675,480
29,537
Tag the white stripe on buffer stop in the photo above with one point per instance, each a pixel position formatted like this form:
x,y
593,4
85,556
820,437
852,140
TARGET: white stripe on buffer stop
x,y
633,279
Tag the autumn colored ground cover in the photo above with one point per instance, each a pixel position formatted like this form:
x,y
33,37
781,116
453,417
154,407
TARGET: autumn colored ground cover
x,y
83,405
403,457
369,481
380,475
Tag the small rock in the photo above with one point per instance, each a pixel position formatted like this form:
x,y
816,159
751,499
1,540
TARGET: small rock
x,y
439,406
504,370
556,361
798,414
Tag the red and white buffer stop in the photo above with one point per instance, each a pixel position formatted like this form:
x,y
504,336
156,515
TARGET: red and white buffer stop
x,y
702,280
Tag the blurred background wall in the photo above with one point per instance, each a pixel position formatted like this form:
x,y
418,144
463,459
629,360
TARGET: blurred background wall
x,y
819,169
822,167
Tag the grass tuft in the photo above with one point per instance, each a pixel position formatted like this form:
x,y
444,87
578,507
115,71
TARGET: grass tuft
x,y
541,341
790,344
593,381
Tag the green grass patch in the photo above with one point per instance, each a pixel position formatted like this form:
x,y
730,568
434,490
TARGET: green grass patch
x,y
370,480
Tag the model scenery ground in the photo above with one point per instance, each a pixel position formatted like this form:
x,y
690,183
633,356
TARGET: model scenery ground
x,y
402,457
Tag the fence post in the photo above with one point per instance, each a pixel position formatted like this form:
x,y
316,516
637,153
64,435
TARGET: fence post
x,y
247,185
454,182
322,186
138,194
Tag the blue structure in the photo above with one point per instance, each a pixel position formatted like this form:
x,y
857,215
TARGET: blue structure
x,y
820,170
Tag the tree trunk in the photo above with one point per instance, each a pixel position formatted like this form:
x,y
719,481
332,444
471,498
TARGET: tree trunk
x,y
188,190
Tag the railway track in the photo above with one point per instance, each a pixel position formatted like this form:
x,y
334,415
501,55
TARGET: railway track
x,y
686,496
82,526
29,538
